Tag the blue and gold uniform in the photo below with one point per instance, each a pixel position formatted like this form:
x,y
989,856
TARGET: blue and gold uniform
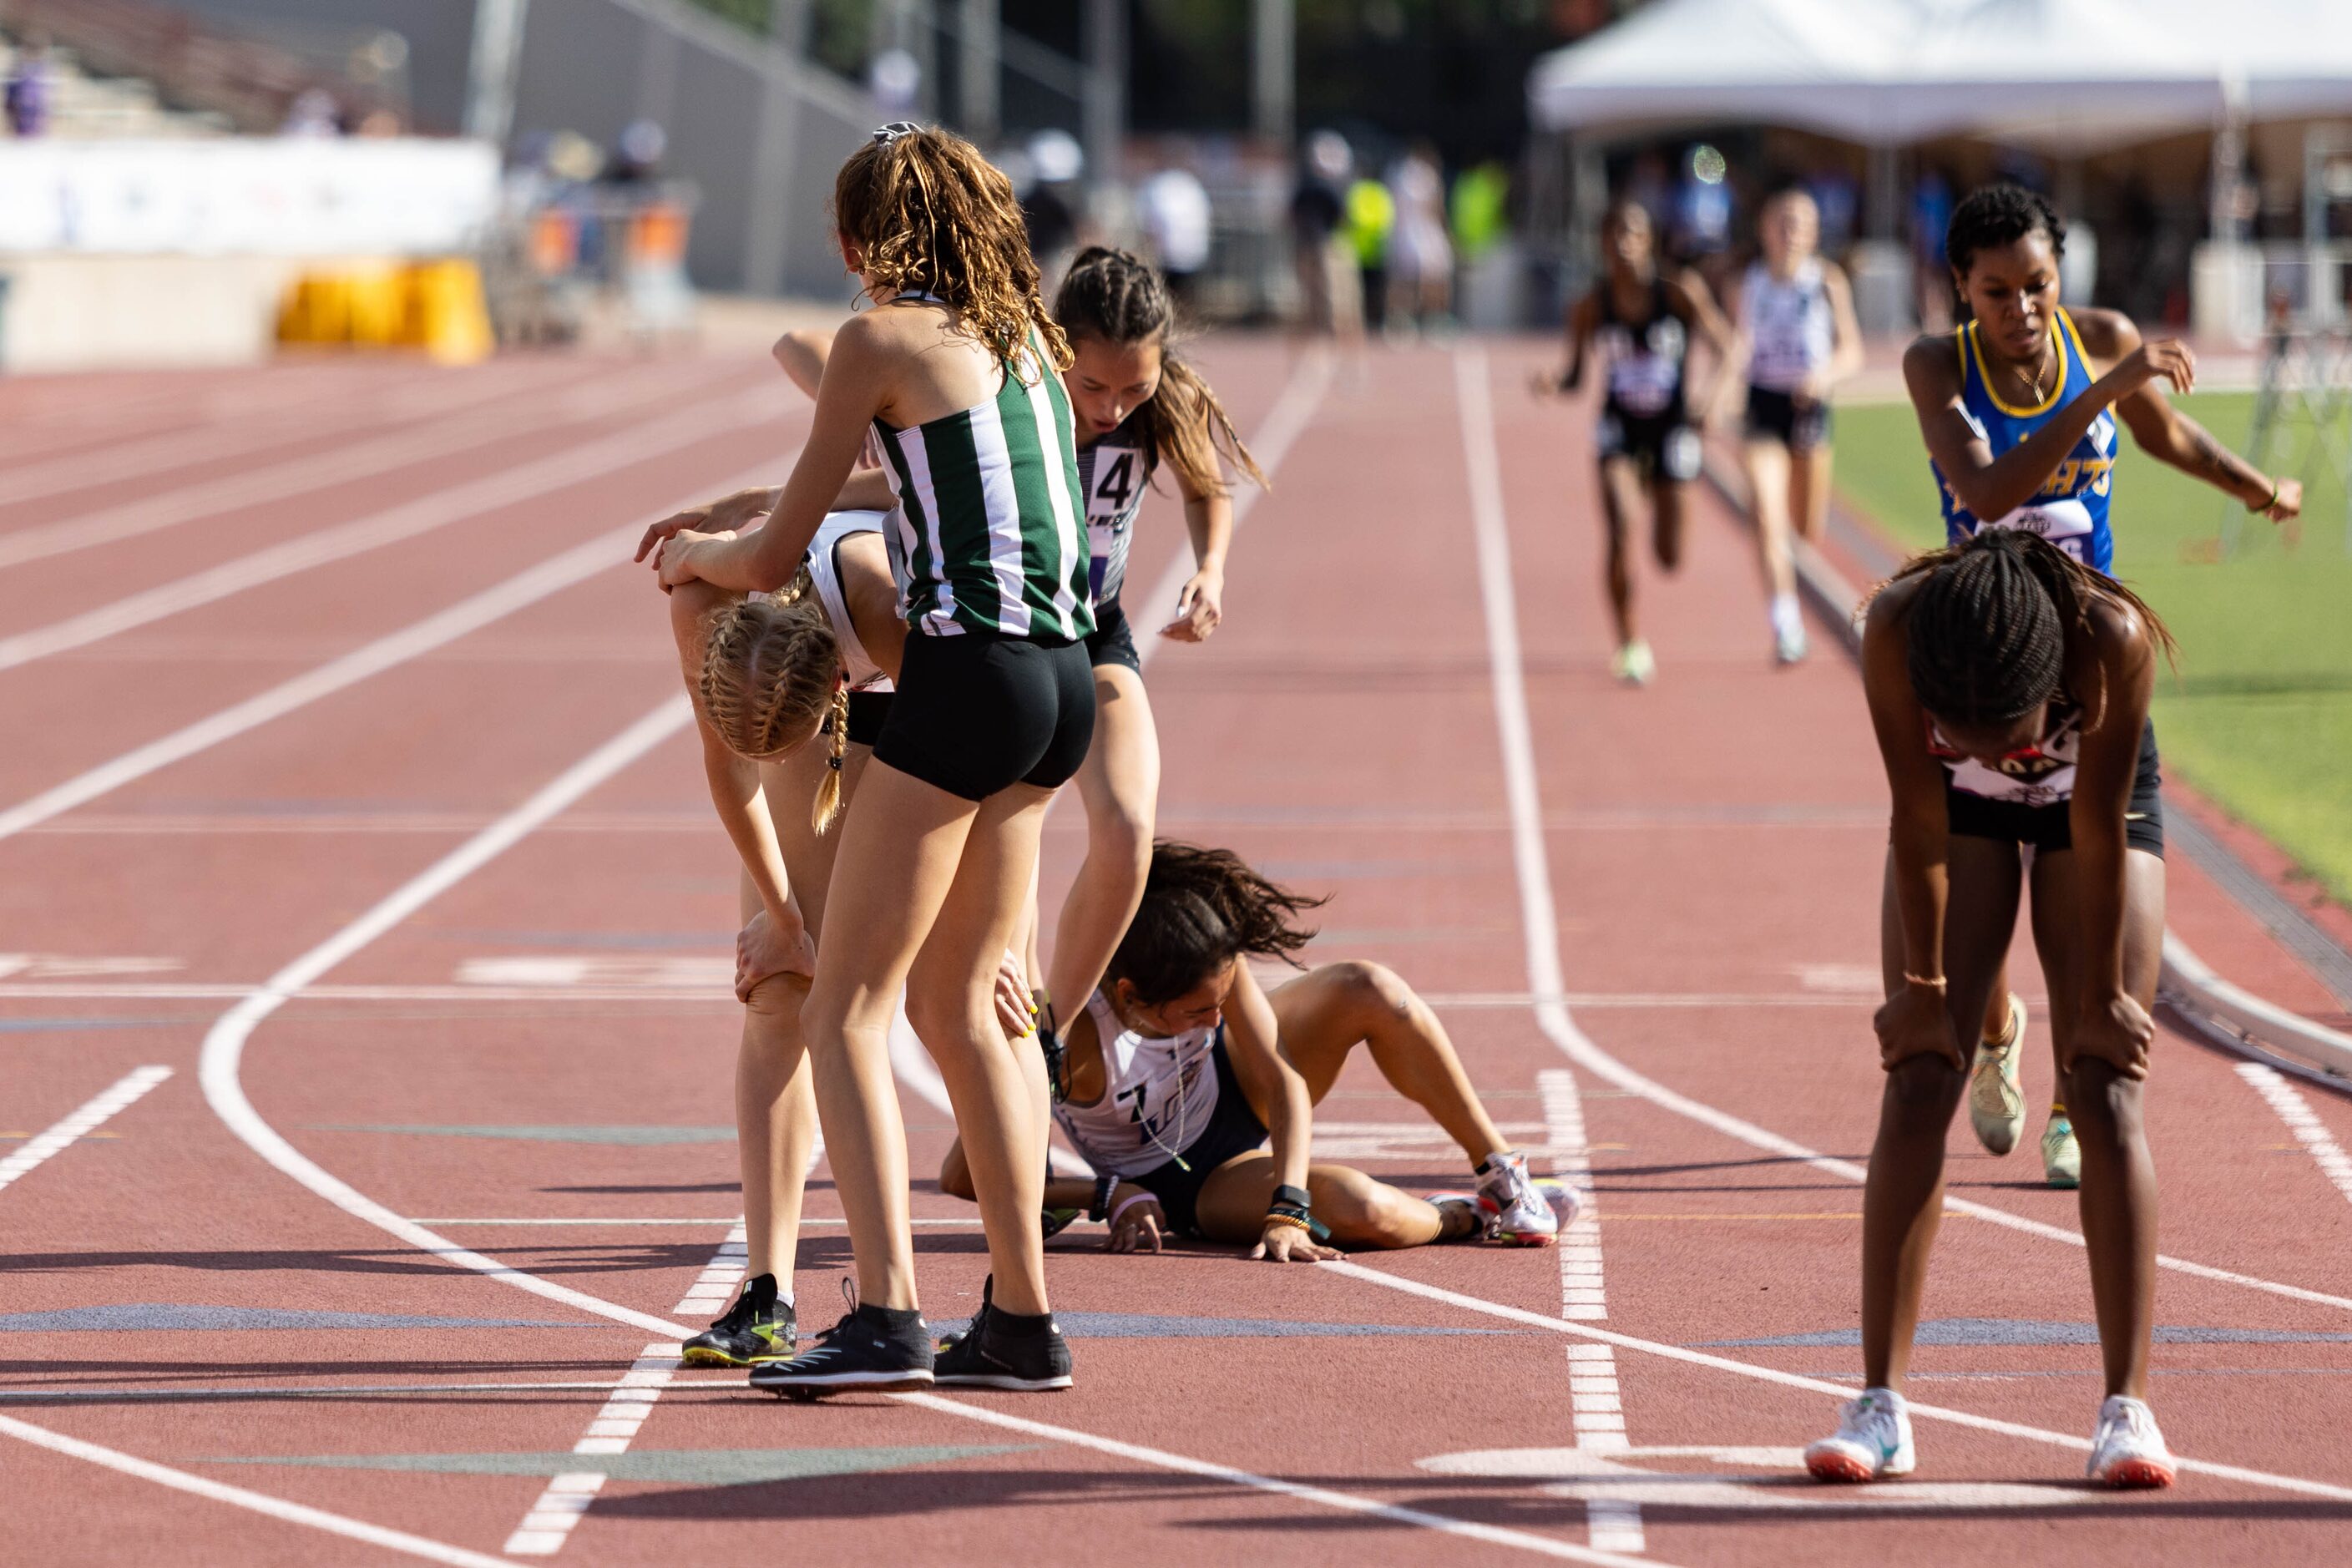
x,y
2071,509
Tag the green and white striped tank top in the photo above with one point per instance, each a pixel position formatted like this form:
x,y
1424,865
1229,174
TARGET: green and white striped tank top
x,y
992,532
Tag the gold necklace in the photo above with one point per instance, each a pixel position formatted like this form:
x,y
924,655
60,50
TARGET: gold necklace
x,y
2033,385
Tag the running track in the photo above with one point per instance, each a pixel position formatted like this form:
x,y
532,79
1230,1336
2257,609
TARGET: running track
x,y
364,1049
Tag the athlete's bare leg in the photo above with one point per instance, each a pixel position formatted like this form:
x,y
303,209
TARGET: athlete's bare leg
x,y
1621,501
1809,493
1326,1014
1669,504
1119,782
2118,1191
1903,1199
1363,1212
1768,485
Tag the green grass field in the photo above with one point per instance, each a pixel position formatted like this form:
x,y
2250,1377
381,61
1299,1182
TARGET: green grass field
x,y
2260,714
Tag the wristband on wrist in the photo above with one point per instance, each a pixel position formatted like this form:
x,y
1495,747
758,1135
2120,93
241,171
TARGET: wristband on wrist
x,y
1937,982
1105,1185
2266,503
1285,1217
1129,1202
1294,1197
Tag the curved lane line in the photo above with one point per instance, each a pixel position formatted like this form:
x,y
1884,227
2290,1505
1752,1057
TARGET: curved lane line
x,y
258,1502
1538,920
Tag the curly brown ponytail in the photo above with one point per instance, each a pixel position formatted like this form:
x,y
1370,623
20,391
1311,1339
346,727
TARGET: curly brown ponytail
x,y
1201,908
1115,297
930,215
1988,625
772,680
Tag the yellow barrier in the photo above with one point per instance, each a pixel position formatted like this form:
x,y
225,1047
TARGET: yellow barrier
x,y
437,306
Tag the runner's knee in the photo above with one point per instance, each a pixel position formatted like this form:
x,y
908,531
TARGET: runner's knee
x,y
1361,1212
1922,1094
1372,991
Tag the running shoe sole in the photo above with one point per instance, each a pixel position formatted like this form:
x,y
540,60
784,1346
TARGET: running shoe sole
x,y
1525,1237
1835,1465
808,1388
704,1355
2137,1475
1006,1382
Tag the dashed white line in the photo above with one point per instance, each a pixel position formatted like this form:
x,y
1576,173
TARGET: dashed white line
x,y
2303,1121
716,1285
83,1121
552,1519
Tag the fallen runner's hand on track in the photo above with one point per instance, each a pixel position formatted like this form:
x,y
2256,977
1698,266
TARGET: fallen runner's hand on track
x,y
1288,1243
1139,1225
764,950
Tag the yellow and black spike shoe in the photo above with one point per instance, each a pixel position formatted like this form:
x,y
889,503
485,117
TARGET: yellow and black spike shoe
x,y
757,1329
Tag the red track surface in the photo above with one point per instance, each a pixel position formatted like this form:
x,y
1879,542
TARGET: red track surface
x,y
1713,848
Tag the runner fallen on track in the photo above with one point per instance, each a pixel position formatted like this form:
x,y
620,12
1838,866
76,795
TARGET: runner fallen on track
x,y
2009,686
1179,1070
1798,338
954,371
1641,322
2018,406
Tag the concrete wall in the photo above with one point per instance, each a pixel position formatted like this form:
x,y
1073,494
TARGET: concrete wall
x,y
94,312
760,132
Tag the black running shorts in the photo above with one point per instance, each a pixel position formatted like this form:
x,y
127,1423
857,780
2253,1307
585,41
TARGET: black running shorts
x,y
1664,446
867,711
1111,641
1779,416
1233,1129
976,713
2050,828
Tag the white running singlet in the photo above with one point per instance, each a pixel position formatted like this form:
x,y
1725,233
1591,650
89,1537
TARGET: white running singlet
x,y
1157,1096
824,571
1788,321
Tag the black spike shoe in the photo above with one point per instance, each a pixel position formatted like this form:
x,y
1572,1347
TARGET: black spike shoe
x,y
758,1328
1005,1350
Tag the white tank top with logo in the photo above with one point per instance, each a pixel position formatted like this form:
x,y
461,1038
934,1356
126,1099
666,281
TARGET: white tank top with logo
x,y
824,571
2040,774
1157,1096
1788,322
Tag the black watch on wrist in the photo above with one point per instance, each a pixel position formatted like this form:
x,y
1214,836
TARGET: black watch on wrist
x,y
1293,1198
1105,1185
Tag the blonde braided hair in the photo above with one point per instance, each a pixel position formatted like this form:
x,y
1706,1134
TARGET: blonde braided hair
x,y
771,681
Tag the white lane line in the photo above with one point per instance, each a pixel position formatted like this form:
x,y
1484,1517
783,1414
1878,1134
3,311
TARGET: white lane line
x,y
81,1122
320,470
554,473
223,1047
1841,1391
550,1522
565,570
1582,1291
1493,1535
2303,1121
1533,866
714,1285
258,1502
698,1296
204,990
131,459
1597,1410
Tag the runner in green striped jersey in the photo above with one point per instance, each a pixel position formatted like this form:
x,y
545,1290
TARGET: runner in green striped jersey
x,y
955,375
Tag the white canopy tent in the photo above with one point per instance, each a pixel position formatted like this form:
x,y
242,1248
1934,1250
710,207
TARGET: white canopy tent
x,y
2066,75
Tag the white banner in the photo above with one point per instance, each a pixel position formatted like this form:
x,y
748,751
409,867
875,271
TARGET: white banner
x,y
247,196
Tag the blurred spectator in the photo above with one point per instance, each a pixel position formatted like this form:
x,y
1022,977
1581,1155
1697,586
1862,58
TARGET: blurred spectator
x,y
1702,225
1931,215
1174,209
636,157
1481,210
1370,219
1647,186
1326,272
28,89
1838,198
1421,255
1051,209
312,114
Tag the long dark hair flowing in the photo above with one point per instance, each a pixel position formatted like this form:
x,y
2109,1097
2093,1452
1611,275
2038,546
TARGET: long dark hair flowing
x,y
1115,297
1202,908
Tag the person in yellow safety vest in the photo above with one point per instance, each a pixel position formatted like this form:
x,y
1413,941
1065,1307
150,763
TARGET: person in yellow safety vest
x,y
1370,219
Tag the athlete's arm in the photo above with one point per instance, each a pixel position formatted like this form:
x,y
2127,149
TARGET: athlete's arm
x,y
734,782
801,352
1994,487
1845,334
2171,438
1200,604
858,378
1582,321
2110,1023
1252,1046
1913,1021
1687,296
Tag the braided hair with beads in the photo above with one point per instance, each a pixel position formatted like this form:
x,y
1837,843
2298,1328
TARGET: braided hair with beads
x,y
1988,625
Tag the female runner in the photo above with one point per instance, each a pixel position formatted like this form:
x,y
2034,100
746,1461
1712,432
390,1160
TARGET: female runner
x,y
1179,1069
2009,686
1137,405
2014,405
1795,315
768,678
954,372
1643,320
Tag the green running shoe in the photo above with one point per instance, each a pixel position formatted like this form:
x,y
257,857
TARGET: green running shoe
x,y
2062,1157
757,1329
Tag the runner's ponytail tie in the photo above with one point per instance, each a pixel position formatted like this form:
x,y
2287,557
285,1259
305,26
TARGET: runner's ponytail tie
x,y
885,136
